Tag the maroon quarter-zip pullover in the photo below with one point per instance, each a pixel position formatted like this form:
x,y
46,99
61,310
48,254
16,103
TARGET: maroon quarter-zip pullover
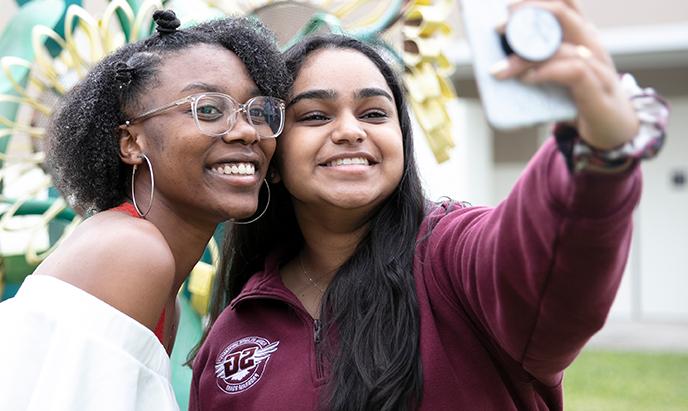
x,y
507,298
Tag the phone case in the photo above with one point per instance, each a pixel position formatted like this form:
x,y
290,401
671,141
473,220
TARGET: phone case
x,y
508,104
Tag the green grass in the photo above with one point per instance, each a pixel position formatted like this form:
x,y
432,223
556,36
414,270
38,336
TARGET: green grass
x,y
621,381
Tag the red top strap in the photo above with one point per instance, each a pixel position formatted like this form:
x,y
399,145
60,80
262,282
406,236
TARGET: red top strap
x,y
160,327
127,208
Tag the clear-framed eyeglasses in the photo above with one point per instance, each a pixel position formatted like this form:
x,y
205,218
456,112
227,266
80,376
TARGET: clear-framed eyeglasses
x,y
215,114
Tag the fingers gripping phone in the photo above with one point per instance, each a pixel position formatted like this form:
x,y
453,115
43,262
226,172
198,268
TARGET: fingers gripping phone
x,y
508,104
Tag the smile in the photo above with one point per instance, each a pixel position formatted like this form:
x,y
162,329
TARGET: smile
x,y
348,161
244,169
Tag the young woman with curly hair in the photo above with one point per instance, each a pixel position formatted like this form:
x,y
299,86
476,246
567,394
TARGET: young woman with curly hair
x,y
163,139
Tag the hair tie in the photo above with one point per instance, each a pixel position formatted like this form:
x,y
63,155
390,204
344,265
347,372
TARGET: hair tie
x,y
123,73
166,22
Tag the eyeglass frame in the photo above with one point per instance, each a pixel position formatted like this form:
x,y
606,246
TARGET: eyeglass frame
x,y
193,100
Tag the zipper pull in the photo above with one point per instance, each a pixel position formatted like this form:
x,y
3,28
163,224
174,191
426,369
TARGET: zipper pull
x,y
317,326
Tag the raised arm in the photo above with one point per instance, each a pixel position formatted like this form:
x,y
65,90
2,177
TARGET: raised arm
x,y
540,271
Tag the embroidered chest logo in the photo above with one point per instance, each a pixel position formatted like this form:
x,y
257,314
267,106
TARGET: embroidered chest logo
x,y
241,364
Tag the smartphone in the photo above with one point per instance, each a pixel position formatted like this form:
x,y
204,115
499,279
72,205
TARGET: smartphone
x,y
508,104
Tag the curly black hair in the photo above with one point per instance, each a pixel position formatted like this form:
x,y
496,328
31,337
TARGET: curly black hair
x,y
82,144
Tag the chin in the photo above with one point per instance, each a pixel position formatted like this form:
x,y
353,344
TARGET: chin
x,y
238,211
355,200
243,214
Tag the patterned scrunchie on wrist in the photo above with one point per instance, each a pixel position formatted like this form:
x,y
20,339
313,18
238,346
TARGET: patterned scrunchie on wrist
x,y
653,113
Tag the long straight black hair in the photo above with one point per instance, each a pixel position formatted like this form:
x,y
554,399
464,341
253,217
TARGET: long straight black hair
x,y
371,302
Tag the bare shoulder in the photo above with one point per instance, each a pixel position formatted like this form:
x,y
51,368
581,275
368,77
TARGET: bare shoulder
x,y
124,261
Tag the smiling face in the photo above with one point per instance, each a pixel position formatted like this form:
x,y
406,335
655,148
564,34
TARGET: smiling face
x,y
342,144
204,177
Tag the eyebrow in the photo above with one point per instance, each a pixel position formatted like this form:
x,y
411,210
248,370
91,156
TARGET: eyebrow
x,y
372,92
200,86
314,95
321,94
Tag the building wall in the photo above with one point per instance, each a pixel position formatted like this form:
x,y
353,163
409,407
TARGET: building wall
x,y
613,13
662,226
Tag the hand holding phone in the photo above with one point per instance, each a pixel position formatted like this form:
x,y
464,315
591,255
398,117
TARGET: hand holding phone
x,y
534,34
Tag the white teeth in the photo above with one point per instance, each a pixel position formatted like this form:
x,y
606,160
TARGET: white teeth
x,y
236,168
348,161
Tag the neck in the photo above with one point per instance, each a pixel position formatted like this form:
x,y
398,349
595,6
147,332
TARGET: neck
x,y
329,240
186,237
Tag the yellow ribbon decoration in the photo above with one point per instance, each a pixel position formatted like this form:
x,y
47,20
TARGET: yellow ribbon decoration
x,y
427,70
201,280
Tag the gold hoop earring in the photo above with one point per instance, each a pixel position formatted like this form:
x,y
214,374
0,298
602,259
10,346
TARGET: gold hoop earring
x,y
262,212
152,188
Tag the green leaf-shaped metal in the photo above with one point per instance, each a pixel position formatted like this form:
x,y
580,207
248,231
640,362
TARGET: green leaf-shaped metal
x,y
16,41
59,28
124,21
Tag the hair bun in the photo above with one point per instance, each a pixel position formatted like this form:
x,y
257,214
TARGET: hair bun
x,y
166,21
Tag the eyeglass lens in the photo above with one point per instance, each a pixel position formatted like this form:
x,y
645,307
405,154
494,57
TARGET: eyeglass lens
x,y
216,115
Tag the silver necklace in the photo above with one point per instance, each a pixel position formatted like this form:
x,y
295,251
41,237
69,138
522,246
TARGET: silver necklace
x,y
308,277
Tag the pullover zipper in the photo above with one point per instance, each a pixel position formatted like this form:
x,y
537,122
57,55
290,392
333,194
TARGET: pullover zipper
x,y
317,328
316,331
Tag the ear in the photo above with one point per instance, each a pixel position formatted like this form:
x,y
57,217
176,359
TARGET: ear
x,y
129,148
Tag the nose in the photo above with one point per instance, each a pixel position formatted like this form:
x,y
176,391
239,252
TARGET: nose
x,y
242,131
348,130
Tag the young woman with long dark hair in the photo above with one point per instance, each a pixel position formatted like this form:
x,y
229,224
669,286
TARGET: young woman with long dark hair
x,y
355,293
163,140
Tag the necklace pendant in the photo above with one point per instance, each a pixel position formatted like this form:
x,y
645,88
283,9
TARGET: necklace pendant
x,y
308,277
